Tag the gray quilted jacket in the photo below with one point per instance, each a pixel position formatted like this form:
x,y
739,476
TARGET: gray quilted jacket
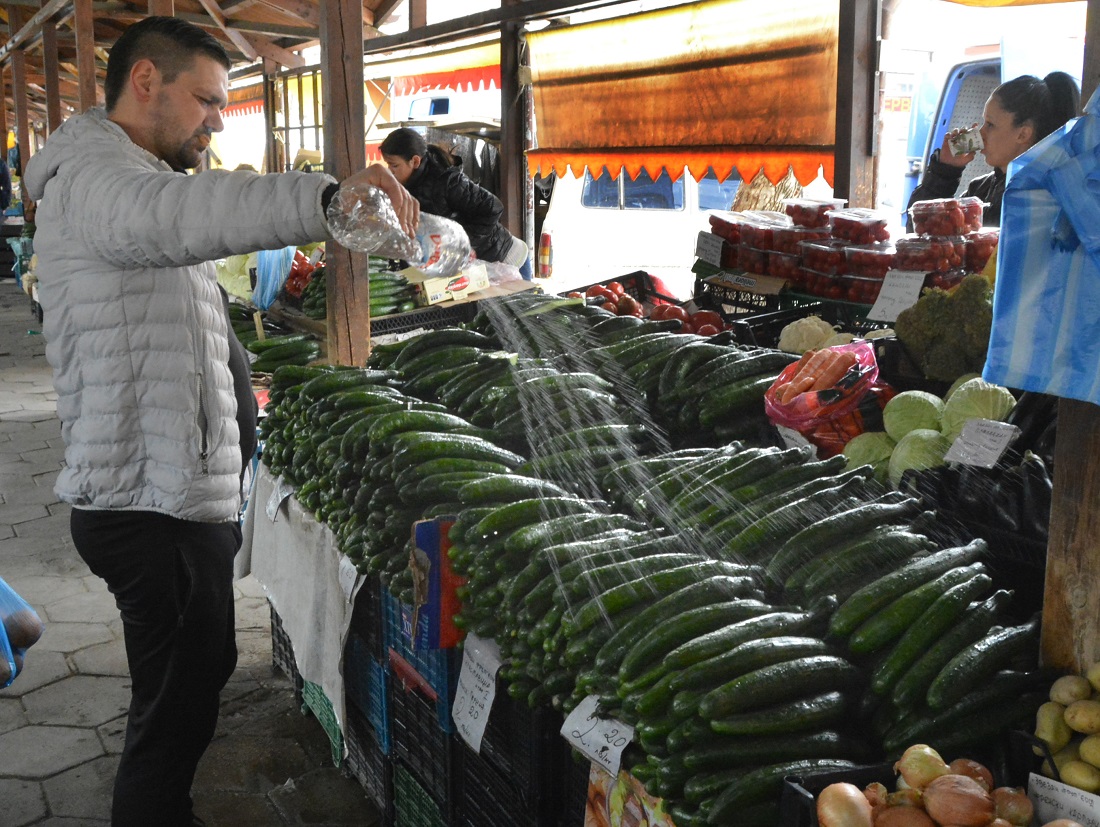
x,y
134,326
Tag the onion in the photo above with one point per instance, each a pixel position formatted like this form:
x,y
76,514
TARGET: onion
x,y
1013,805
920,764
875,793
843,805
904,798
972,769
958,800
999,822
903,817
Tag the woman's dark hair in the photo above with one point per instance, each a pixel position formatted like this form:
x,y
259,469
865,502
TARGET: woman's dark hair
x,y
1046,103
170,43
404,143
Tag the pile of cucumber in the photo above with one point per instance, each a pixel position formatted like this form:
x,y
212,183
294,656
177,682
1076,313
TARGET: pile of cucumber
x,y
751,610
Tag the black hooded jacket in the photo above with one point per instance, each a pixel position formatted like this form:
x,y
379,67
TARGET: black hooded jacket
x,y
443,189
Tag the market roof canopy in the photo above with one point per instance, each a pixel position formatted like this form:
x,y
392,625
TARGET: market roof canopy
x,y
731,84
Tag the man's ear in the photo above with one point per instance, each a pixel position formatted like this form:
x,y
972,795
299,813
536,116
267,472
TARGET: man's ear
x,y
144,79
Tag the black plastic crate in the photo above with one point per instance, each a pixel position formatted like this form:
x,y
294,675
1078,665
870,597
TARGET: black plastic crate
x,y
445,314
488,798
366,687
366,615
413,805
639,285
431,754
574,797
898,368
368,765
797,801
524,745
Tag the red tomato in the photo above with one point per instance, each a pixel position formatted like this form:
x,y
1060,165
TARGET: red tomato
x,y
616,288
574,294
705,317
610,305
706,330
659,312
600,291
686,327
629,306
676,312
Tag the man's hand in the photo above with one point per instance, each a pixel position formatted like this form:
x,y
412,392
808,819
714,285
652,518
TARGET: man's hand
x,y
406,207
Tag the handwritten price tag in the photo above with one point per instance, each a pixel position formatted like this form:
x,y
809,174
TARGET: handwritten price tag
x,y
601,739
1054,800
708,247
477,687
982,443
283,489
900,291
349,577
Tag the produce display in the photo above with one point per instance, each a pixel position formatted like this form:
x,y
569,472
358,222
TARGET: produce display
x,y
614,299
314,296
947,216
278,347
1069,724
947,333
627,529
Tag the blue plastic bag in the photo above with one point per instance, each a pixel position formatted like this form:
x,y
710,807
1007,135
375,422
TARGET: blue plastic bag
x,y
1046,306
20,628
272,268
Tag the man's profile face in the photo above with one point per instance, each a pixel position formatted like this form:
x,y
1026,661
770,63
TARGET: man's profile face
x,y
186,111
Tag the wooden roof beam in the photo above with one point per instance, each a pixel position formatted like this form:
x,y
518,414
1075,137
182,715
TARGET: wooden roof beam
x,y
32,27
251,46
301,9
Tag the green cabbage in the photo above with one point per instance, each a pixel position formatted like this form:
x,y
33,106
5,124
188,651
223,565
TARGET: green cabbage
x,y
872,448
975,399
966,377
917,450
911,410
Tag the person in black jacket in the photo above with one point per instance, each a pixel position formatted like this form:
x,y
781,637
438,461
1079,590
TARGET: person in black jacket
x,y
436,181
1019,114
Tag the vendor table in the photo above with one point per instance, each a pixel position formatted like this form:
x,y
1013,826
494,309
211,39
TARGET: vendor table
x,y
308,581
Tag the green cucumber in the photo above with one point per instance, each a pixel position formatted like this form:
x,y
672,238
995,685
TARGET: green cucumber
x,y
780,682
804,714
715,643
747,657
763,784
977,662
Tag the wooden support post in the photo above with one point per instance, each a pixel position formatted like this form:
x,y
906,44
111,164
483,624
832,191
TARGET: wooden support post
x,y
85,52
513,116
857,92
162,8
1071,624
17,17
418,14
52,72
344,121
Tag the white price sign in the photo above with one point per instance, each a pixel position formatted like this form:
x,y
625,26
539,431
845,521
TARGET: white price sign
x,y
792,438
900,291
982,443
708,247
349,577
477,687
601,739
282,491
1054,800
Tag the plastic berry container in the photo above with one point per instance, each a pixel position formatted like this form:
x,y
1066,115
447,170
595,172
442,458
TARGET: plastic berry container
x,y
825,256
860,289
731,254
980,247
929,254
825,285
947,216
870,260
727,225
859,225
787,239
785,266
753,260
760,228
945,279
808,212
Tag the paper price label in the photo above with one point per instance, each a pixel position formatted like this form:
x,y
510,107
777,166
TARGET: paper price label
x,y
792,438
601,739
982,443
708,247
477,687
349,577
900,291
1054,800
283,489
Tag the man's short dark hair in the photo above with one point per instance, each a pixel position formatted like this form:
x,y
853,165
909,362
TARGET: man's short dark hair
x,y
170,43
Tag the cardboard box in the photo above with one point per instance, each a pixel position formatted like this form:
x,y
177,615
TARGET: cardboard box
x,y
429,623
433,290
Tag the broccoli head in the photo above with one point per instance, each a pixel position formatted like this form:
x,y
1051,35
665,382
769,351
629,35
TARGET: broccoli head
x,y
947,331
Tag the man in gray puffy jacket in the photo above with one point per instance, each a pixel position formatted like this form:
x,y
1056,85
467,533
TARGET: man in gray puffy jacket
x,y
144,364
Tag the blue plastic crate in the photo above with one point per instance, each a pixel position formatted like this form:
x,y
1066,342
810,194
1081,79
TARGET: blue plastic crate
x,y
434,670
366,687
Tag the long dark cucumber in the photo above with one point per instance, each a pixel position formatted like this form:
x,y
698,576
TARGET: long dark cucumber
x,y
805,714
763,784
756,468
503,488
881,592
565,529
780,682
747,657
976,662
715,643
444,338
849,565
725,751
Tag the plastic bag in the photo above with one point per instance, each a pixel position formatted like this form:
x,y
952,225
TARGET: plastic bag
x,y
20,628
272,269
362,218
1047,297
831,416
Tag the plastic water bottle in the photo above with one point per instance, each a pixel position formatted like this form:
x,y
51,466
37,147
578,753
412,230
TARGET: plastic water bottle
x,y
363,219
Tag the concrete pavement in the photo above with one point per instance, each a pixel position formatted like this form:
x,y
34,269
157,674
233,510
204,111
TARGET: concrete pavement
x,y
62,720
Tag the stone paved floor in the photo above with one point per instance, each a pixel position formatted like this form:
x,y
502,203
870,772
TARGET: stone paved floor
x,y
62,720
